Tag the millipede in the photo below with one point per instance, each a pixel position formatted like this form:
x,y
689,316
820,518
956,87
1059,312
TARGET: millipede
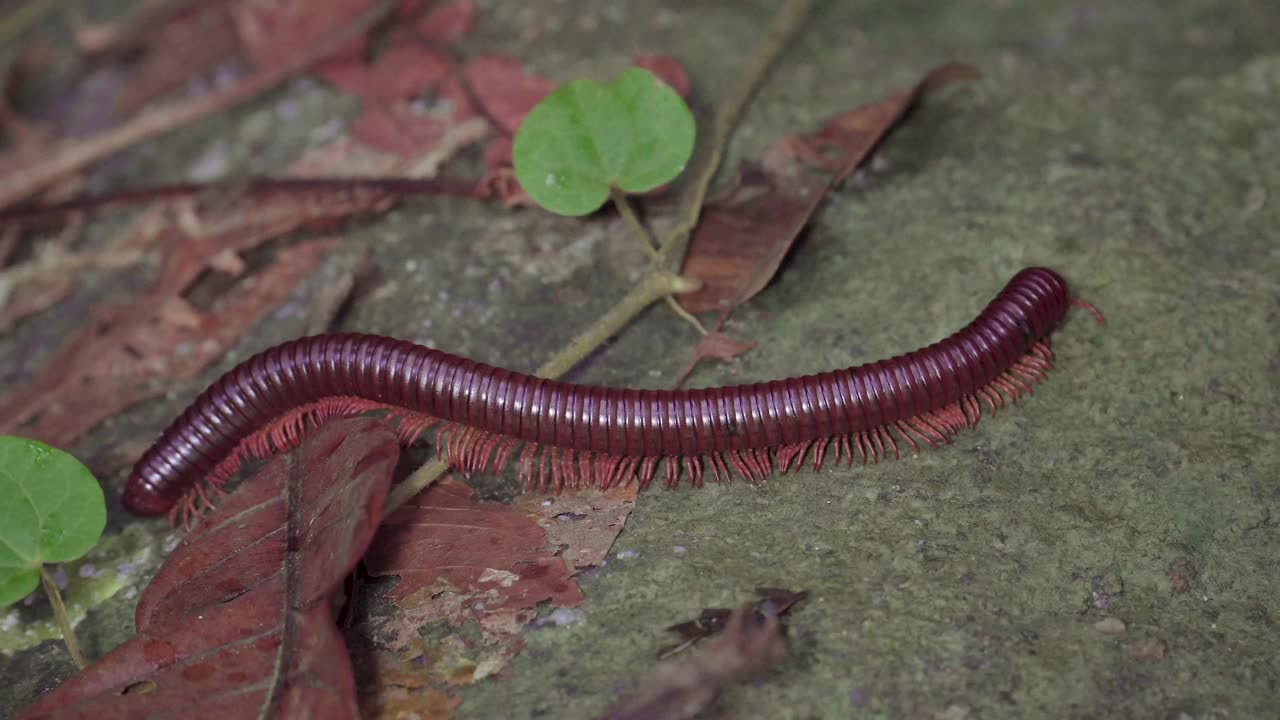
x,y
572,435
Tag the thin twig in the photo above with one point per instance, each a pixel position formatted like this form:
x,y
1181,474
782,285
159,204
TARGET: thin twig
x,y
647,240
20,177
789,19
130,31
62,619
258,188
59,263
656,285
685,315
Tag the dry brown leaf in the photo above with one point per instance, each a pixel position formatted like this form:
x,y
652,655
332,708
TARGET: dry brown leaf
x,y
24,174
486,548
713,345
743,236
581,525
463,561
187,43
134,352
238,622
275,32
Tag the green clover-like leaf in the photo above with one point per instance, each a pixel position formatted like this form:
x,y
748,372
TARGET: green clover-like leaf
x,y
51,510
585,138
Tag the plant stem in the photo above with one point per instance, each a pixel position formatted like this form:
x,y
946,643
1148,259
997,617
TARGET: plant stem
x,y
60,617
632,222
789,19
638,229
656,285
685,315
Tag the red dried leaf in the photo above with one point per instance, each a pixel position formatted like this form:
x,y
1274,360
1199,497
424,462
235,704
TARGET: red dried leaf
x,y
396,128
505,90
668,69
743,237
488,549
128,354
447,22
251,590
275,32
714,345
24,135
391,119
398,74
465,562
194,40
582,524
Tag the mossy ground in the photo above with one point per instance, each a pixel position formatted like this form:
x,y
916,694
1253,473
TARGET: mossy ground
x,y
1132,146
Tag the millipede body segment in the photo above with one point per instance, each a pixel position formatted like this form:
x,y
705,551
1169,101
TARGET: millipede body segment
x,y
579,434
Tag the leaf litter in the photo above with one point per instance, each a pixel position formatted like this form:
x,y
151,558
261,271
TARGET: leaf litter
x,y
575,532
249,592
473,577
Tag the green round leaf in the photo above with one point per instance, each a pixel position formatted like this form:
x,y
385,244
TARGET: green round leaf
x,y
51,510
584,138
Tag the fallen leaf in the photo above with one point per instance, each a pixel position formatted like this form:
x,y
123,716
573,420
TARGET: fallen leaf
x,y
393,116
486,548
743,236
668,69
713,345
25,136
189,43
123,34
505,91
581,525
275,32
473,574
23,174
238,621
134,352
447,22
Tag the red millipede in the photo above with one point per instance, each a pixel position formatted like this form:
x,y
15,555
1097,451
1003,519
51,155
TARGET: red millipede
x,y
579,434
